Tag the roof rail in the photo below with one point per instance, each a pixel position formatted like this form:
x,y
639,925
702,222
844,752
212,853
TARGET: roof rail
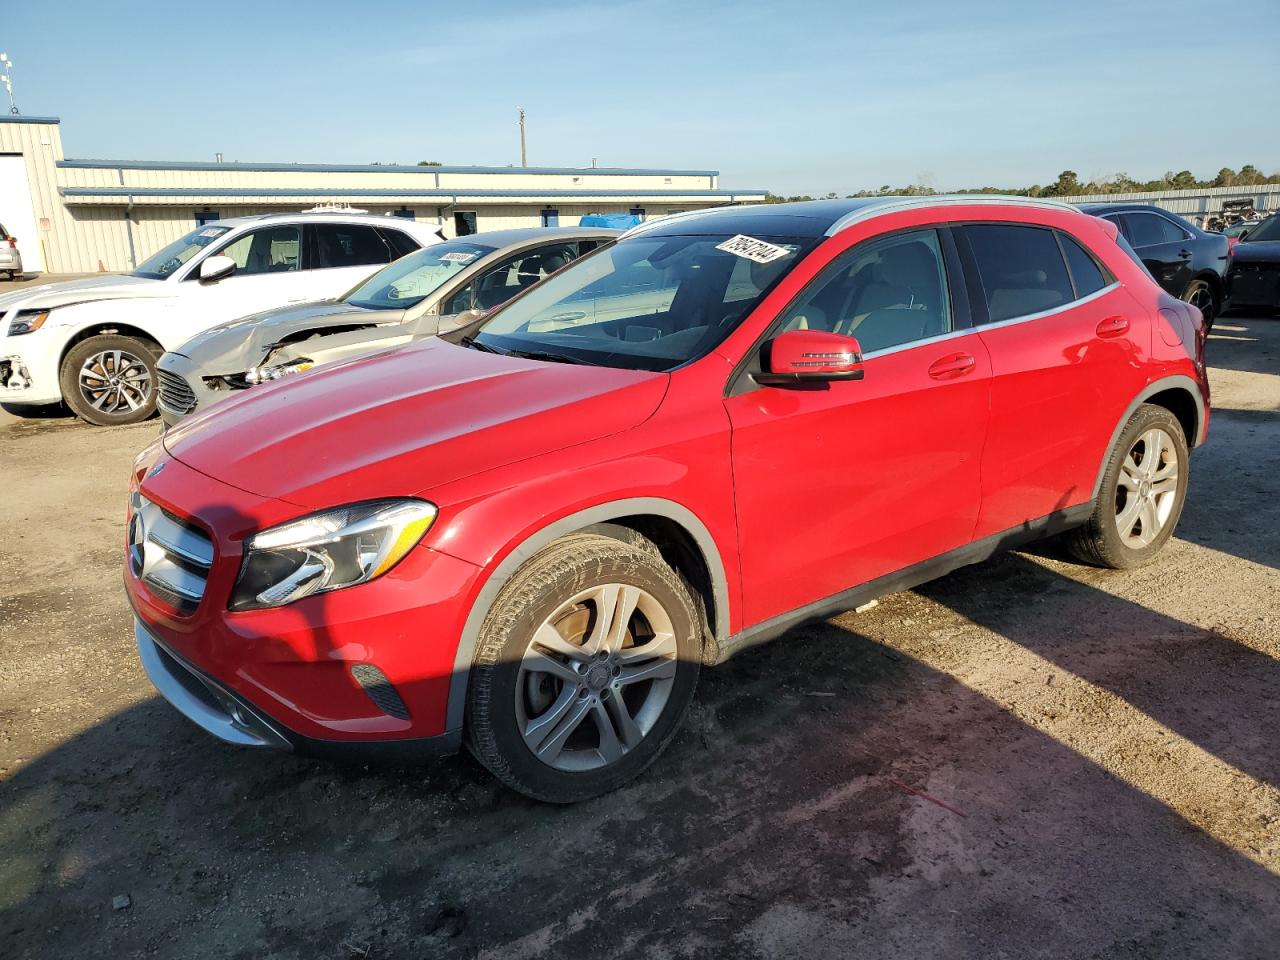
x,y
895,204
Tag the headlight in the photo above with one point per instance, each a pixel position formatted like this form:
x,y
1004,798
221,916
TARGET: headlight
x,y
263,374
27,321
328,551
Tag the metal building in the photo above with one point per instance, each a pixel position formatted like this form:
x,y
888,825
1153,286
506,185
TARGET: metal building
x,y
1194,205
86,215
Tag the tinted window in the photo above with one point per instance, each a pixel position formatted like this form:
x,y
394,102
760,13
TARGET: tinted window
x,y
1149,229
1084,269
269,250
1022,269
1269,229
401,244
884,293
348,245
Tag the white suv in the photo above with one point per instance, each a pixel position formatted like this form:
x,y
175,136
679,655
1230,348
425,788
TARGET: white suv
x,y
94,343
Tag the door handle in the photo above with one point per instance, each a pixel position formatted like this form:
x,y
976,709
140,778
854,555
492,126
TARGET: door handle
x,y
951,366
1185,254
1113,326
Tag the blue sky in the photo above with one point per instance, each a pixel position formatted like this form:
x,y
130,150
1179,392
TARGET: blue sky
x,y
792,96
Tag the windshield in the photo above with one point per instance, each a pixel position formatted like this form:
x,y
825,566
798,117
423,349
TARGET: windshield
x,y
648,303
1269,229
410,280
177,253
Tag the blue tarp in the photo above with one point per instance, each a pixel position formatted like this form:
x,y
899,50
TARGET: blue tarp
x,y
611,221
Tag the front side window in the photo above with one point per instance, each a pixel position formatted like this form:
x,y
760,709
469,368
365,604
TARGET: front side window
x,y
646,303
1022,269
161,264
885,293
268,250
401,244
411,279
348,245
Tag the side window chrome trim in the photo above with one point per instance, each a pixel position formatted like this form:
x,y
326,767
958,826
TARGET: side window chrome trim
x,y
1115,284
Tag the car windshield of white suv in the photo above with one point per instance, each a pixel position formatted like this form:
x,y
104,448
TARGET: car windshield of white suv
x,y
647,303
177,253
412,279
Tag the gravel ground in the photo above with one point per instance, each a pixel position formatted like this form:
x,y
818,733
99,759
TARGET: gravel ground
x,y
1028,758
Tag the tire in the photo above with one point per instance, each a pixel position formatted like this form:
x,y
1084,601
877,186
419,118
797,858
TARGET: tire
x,y
1129,480
518,702
1200,293
125,366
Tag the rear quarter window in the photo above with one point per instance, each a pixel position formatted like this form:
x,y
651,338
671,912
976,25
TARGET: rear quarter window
x,y
1085,272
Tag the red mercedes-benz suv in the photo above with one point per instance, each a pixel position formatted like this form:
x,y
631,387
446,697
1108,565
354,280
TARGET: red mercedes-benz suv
x,y
529,535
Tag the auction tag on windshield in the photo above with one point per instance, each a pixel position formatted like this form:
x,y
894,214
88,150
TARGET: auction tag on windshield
x,y
213,231
752,249
454,256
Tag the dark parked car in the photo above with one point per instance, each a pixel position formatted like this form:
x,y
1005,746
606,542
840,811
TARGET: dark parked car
x,y
1188,262
1254,280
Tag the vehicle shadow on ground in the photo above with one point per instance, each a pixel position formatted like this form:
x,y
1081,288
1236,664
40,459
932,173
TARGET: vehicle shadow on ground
x,y
1242,342
827,797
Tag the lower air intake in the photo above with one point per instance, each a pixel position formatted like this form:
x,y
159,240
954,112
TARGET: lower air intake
x,y
375,683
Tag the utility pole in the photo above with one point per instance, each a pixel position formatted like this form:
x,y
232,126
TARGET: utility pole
x,y
524,156
7,80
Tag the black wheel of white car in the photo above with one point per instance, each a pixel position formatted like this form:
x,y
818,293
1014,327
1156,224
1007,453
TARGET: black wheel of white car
x,y
1142,492
110,380
585,667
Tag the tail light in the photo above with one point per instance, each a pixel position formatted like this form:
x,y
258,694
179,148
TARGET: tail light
x,y
1231,245
13,243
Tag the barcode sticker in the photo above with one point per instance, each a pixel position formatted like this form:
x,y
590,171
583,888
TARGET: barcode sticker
x,y
752,249
456,257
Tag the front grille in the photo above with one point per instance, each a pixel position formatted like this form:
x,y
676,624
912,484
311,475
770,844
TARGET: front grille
x,y
176,394
169,556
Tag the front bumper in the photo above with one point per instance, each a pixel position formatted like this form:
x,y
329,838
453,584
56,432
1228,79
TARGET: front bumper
x,y
360,670
29,368
217,710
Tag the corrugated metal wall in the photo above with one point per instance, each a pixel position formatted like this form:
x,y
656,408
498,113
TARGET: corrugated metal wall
x,y
1193,204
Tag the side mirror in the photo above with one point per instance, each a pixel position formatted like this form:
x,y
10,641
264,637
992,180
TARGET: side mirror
x,y
800,357
216,268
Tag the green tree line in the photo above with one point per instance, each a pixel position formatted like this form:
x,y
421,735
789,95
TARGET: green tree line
x,y
1068,184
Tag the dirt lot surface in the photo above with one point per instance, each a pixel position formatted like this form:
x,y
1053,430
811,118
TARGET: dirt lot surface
x,y
1029,758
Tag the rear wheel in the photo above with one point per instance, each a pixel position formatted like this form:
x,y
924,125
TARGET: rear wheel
x,y
1201,295
1143,489
110,380
586,665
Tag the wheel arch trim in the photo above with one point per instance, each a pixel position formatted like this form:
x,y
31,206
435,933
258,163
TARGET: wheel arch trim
x,y
1177,382
517,557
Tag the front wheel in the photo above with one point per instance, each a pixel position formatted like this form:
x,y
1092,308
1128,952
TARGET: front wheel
x,y
1201,295
1143,489
110,380
586,665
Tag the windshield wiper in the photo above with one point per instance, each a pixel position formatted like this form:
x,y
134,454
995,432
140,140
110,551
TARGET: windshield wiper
x,y
552,357
475,344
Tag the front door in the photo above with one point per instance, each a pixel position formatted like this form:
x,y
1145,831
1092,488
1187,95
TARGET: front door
x,y
840,485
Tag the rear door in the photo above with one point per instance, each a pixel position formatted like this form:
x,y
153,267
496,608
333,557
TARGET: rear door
x,y
837,486
1064,340
1164,247
341,255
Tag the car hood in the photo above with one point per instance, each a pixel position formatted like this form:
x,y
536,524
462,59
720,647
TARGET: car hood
x,y
234,347
1256,251
110,287
403,422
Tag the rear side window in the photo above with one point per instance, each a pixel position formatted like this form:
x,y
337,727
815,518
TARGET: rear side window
x,y
401,244
1085,272
348,245
1021,268
1149,229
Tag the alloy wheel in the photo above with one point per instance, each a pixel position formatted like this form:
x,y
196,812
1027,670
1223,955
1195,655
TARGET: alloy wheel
x,y
1201,297
596,677
1147,488
115,381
